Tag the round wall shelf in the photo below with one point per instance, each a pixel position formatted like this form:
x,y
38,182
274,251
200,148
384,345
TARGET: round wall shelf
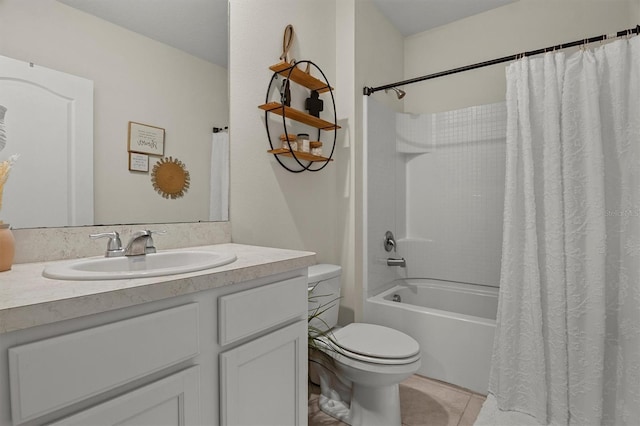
x,y
293,73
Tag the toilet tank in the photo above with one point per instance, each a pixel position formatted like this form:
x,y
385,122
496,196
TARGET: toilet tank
x,y
324,295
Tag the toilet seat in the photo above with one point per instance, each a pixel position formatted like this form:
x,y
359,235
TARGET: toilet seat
x,y
371,343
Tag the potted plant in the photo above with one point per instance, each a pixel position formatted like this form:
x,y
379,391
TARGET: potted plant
x,y
319,335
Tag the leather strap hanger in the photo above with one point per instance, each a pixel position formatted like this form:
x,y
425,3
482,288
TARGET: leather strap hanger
x,y
287,41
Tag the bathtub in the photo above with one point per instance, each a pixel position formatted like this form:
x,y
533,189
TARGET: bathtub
x,y
453,322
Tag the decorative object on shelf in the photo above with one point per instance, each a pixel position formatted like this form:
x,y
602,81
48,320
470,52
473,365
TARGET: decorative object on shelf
x,y
289,142
146,139
285,93
304,142
314,104
138,162
316,148
170,178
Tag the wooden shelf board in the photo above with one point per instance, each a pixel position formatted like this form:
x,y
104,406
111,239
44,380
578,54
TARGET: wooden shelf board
x,y
300,77
300,155
294,114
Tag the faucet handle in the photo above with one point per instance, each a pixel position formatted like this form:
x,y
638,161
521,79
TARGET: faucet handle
x,y
150,247
114,245
389,241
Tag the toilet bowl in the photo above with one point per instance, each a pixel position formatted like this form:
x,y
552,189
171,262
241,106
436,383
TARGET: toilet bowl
x,y
361,365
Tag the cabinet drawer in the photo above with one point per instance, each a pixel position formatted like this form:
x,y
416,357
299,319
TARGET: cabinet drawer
x,y
53,373
250,312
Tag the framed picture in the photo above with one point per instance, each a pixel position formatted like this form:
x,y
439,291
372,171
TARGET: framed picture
x,y
146,139
138,162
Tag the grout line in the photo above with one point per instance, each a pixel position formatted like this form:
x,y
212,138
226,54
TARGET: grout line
x,y
451,386
464,411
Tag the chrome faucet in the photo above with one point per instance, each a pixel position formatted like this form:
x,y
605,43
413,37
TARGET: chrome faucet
x,y
141,243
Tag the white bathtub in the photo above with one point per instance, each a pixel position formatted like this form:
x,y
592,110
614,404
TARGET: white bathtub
x,y
453,322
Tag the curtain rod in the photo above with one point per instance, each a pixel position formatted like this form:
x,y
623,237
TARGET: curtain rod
x,y
370,90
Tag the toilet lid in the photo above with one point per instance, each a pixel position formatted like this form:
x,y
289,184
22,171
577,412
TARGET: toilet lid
x,y
376,341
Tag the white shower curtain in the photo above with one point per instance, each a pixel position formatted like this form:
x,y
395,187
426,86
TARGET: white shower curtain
x,y
219,198
567,347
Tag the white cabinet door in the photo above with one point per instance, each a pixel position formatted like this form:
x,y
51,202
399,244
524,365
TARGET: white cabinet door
x,y
264,382
167,402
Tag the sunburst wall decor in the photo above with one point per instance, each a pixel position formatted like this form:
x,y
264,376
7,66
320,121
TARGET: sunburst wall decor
x,y
170,178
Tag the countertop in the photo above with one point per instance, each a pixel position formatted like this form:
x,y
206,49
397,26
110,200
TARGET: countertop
x,y
28,299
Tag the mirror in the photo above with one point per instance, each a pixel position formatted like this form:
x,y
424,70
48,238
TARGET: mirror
x,y
161,84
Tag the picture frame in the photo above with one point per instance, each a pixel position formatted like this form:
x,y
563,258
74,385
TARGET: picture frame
x,y
146,139
138,162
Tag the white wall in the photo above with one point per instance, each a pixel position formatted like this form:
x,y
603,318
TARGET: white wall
x,y
517,27
135,79
269,205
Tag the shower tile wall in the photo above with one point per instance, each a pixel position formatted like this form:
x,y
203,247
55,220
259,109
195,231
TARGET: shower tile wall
x,y
455,190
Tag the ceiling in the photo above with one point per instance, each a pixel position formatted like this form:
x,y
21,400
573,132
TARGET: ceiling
x,y
199,27
415,16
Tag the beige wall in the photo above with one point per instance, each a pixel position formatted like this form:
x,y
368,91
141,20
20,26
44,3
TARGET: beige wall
x,y
135,79
269,205
312,211
347,223
521,26
379,53
379,60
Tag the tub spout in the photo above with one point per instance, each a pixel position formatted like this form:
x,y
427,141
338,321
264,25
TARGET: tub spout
x,y
397,262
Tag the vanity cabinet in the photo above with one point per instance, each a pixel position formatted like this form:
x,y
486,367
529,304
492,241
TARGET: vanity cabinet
x,y
264,381
231,355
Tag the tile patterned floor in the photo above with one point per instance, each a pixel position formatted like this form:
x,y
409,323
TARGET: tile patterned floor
x,y
423,402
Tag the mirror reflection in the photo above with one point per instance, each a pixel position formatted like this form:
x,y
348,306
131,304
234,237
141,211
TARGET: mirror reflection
x,y
135,78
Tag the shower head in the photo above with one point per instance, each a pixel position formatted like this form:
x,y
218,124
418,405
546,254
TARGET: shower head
x,y
399,92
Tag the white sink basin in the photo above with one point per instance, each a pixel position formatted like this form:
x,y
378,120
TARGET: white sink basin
x,y
149,265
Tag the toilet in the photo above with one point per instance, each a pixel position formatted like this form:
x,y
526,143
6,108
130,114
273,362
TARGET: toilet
x,y
361,365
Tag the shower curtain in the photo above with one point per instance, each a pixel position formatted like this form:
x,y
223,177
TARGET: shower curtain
x,y
567,346
219,199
